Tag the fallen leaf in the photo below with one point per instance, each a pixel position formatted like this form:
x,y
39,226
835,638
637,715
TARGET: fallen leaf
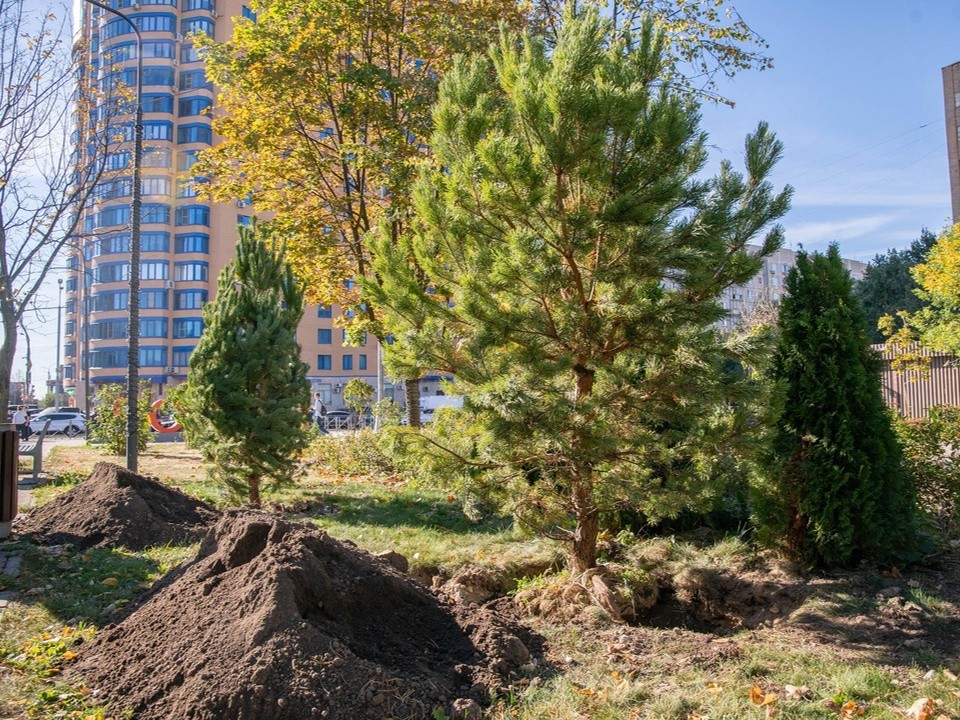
x,y
111,581
760,698
713,687
949,675
850,709
922,709
69,655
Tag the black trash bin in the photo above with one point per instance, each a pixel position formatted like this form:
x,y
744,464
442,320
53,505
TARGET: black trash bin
x,y
9,475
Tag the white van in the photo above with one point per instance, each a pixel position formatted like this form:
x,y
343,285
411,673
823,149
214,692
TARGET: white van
x,y
429,405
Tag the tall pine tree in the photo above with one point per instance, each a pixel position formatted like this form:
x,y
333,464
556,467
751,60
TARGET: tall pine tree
x,y
247,393
838,492
575,264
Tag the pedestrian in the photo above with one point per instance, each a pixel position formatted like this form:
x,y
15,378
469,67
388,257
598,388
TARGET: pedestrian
x,y
319,411
21,420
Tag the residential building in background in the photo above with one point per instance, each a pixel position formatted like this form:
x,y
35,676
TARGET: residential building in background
x,y
767,287
185,241
951,105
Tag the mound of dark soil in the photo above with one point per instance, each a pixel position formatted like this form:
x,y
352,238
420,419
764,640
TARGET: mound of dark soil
x,y
117,508
276,620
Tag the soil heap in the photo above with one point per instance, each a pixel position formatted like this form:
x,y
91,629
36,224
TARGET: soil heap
x,y
278,621
117,508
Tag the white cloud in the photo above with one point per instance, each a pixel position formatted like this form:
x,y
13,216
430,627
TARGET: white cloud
x,y
821,233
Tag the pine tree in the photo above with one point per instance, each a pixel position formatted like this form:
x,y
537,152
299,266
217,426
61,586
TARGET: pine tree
x,y
575,266
247,392
838,493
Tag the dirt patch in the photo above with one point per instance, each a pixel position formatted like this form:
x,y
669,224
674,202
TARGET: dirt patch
x,y
117,508
274,620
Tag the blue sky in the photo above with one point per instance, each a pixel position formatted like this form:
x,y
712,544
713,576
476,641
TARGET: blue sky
x,y
856,97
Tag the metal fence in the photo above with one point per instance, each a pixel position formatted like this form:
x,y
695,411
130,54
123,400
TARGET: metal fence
x,y
913,393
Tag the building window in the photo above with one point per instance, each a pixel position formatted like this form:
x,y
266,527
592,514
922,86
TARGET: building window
x,y
181,356
154,270
324,362
157,76
153,299
188,54
156,49
153,357
71,285
193,215
248,13
362,362
194,80
155,186
118,160
324,336
71,306
348,362
190,271
157,103
106,301
70,350
193,106
109,329
197,25
70,327
187,327
344,338
73,263
153,327
244,220
145,22
194,133
189,299
191,243
324,312
155,213
156,157
113,272
109,358
186,159
114,244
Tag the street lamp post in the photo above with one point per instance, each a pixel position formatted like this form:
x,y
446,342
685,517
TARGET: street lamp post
x,y
58,381
133,353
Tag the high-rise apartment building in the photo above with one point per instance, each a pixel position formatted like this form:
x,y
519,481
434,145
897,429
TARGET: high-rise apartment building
x,y
951,106
767,286
185,241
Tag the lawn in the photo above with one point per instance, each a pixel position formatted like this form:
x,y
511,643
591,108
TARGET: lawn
x,y
739,634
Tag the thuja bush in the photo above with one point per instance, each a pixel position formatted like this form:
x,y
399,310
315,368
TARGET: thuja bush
x,y
931,461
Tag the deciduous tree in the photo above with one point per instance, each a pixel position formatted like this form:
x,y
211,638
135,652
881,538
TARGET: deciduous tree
x,y
247,394
42,188
575,264
888,287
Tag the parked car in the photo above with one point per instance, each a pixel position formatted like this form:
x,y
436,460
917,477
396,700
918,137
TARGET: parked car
x,y
68,423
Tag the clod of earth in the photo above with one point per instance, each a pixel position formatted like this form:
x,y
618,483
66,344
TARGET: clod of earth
x,y
275,620
117,508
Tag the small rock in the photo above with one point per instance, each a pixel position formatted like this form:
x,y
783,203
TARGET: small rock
x,y
889,592
913,583
930,675
466,709
913,643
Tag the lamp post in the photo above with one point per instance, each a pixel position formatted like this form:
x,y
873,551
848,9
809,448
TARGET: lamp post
x,y
133,353
57,381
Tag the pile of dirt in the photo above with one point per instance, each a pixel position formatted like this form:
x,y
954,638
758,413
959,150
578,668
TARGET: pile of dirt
x,y
117,508
275,620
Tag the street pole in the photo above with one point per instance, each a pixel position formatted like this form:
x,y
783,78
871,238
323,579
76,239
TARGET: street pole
x,y
133,352
57,380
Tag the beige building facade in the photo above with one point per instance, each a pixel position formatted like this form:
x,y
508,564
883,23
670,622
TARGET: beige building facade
x,y
185,241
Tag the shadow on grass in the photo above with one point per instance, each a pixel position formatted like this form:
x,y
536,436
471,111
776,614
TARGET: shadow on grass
x,y
396,511
78,586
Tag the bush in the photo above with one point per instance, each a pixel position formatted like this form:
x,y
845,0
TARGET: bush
x,y
109,423
351,453
931,462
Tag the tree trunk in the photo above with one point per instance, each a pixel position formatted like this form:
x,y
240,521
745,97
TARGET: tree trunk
x,y
253,486
584,552
411,390
8,351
